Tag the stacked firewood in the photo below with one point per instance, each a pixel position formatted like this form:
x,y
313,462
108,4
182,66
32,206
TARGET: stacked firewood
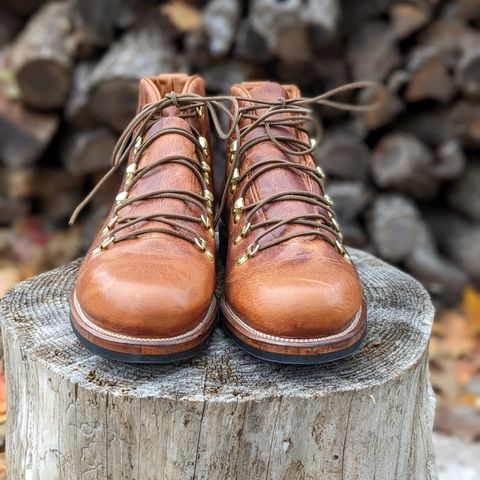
x,y
405,178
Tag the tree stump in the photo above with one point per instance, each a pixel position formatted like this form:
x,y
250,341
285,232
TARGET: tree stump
x,y
224,415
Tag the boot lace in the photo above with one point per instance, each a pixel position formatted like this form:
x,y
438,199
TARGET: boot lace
x,y
131,145
277,116
288,113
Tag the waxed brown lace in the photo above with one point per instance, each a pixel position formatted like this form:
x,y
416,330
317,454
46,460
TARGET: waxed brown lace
x,y
280,114
296,114
188,105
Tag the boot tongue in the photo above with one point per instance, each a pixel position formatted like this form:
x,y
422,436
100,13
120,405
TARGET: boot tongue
x,y
150,93
275,180
269,91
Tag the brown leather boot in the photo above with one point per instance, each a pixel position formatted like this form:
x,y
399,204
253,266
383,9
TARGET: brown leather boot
x,y
145,290
292,294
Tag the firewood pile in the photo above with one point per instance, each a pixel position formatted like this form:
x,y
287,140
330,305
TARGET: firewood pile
x,y
405,178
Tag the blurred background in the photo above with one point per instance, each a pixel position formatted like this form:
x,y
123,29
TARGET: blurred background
x,y
405,179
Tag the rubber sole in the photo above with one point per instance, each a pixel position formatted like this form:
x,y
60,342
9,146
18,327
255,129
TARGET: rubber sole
x,y
292,359
139,358
126,348
307,352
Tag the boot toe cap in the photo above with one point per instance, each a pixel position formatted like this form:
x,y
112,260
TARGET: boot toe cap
x,y
141,298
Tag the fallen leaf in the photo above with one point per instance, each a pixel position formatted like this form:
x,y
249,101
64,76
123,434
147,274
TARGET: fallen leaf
x,y
458,340
471,309
9,276
183,16
3,395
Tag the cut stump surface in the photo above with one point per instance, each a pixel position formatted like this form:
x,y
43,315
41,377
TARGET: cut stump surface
x,y
224,415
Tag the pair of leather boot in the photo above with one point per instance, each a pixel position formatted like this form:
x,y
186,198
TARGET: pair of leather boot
x,y
146,288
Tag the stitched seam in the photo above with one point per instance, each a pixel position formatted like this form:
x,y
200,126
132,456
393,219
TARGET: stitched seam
x,y
147,340
294,340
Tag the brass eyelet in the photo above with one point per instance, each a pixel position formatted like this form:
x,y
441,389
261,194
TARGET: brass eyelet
x,y
204,144
130,171
341,250
110,224
238,206
234,181
250,251
209,198
205,166
137,145
206,221
121,197
199,111
201,243
243,233
233,149
103,245
321,173
328,200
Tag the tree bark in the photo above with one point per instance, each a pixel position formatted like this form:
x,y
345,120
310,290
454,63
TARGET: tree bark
x,y
223,415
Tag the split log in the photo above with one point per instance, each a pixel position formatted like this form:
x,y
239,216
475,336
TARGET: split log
x,y
429,76
400,161
452,37
391,106
41,57
435,126
220,19
88,151
223,415
250,45
283,24
98,21
408,18
393,224
354,235
220,77
459,238
24,135
441,277
331,72
355,12
350,197
468,72
449,160
77,109
465,10
343,154
114,81
372,52
464,192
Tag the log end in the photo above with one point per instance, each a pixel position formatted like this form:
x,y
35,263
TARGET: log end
x,y
43,84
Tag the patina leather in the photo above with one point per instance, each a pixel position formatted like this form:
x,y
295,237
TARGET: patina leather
x,y
295,293
156,285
